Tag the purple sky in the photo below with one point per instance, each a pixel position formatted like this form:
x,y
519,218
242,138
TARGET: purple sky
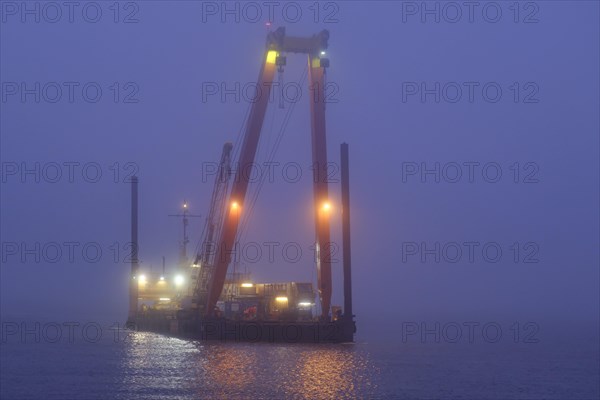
x,y
377,50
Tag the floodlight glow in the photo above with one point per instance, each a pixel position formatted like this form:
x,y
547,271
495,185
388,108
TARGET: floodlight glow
x,y
179,280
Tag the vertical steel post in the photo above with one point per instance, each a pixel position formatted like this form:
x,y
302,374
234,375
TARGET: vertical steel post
x,y
346,231
133,283
316,75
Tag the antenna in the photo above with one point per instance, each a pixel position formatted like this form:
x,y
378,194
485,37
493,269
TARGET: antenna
x,y
183,260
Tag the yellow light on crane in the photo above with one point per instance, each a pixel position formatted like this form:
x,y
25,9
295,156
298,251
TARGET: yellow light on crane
x,y
235,206
281,299
327,206
271,57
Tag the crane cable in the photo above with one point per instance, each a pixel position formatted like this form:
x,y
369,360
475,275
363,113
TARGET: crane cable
x,y
200,242
242,231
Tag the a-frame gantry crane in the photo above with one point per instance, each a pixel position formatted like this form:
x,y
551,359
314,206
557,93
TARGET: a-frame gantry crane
x,y
277,45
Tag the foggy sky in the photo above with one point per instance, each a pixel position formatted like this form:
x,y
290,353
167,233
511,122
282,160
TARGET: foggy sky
x,y
170,132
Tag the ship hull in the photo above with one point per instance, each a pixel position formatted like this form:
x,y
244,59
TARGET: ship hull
x,y
222,330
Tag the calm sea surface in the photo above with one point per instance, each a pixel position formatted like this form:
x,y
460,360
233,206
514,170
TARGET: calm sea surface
x,y
149,366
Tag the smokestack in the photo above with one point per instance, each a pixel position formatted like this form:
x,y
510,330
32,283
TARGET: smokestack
x,y
133,283
346,232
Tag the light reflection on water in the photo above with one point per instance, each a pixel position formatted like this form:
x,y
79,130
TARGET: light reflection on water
x,y
175,368
151,366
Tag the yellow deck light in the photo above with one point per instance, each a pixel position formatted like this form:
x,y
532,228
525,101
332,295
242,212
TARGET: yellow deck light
x,y
271,57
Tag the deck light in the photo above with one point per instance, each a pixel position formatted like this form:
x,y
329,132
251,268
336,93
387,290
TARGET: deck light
x,y
271,57
178,280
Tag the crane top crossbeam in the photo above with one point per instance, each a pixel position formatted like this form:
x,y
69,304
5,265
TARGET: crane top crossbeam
x,y
313,45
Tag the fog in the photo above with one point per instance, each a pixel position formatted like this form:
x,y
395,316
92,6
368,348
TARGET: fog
x,y
467,138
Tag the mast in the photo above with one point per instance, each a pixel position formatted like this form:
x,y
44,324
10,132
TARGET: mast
x,y
133,284
346,253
